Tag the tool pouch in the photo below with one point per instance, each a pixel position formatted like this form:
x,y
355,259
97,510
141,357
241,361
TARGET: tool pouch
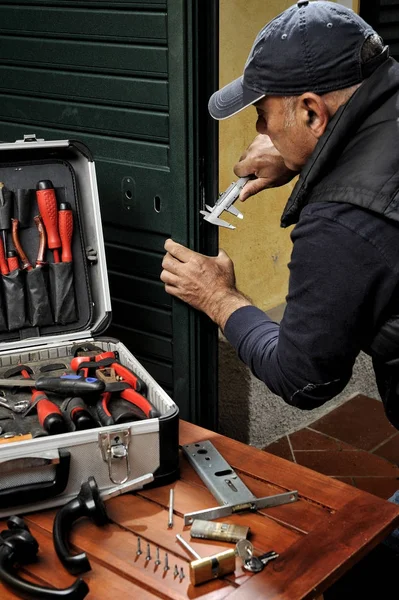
x,y
39,308
3,321
14,299
62,292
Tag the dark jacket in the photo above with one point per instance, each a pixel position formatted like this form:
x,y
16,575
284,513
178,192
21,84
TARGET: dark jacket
x,y
344,269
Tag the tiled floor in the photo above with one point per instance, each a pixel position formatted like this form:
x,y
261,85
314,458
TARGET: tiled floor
x,y
354,443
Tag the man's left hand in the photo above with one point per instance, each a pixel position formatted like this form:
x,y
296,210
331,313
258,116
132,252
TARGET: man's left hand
x,y
207,283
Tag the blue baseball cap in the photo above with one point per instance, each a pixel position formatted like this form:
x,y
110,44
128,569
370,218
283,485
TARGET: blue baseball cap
x,y
310,47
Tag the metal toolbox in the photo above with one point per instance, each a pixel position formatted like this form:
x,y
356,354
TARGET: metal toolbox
x,y
50,306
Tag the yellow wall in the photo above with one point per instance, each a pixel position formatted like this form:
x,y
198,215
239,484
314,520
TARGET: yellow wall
x,y
259,247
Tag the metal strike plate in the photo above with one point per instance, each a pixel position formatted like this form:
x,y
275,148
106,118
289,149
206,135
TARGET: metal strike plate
x,y
225,485
217,474
115,451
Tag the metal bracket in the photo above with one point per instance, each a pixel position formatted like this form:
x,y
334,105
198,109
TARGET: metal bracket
x,y
115,449
30,137
91,255
217,474
224,483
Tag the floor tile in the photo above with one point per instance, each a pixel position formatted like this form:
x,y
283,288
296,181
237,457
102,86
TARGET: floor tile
x,y
360,422
346,463
280,448
306,439
389,450
383,487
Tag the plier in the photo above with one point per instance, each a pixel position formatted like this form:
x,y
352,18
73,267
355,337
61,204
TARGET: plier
x,y
42,244
89,367
118,378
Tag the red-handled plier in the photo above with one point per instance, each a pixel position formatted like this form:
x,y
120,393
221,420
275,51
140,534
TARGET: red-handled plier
x,y
89,366
147,410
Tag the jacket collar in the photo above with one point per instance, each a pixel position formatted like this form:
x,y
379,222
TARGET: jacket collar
x,y
340,130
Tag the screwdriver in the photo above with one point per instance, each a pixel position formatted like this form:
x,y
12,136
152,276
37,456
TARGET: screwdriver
x,y
65,227
47,203
66,384
12,260
49,415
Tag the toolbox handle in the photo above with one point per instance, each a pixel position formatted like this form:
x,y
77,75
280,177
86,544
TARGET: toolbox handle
x,y
37,492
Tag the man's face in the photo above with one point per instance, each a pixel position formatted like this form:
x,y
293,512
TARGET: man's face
x,y
286,129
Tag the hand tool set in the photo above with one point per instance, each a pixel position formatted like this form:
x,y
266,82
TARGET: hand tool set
x,y
38,290
74,403
78,401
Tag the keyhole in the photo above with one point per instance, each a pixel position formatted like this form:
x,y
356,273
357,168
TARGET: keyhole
x,y
157,204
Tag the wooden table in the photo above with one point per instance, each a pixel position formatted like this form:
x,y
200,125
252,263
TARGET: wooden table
x,y
318,538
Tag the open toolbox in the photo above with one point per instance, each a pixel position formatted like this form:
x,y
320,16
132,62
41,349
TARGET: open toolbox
x,y
102,414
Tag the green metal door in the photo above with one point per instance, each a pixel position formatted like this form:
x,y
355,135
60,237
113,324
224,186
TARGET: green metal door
x,y
130,79
383,15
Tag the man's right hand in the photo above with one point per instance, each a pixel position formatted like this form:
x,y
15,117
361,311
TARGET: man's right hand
x,y
265,162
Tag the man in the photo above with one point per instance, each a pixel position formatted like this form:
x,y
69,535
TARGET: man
x,y
326,94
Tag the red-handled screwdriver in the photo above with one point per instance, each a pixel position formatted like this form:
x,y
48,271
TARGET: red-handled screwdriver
x,y
12,260
3,263
47,203
49,415
65,228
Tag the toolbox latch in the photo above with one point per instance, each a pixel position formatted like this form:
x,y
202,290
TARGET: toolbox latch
x,y
115,451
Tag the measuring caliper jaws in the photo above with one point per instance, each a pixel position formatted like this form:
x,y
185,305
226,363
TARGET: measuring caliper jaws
x,y
225,485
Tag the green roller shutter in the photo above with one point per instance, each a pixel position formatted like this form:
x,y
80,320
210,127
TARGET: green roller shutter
x,y
130,79
383,16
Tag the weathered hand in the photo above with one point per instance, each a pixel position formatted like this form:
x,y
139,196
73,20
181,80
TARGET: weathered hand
x,y
206,283
265,162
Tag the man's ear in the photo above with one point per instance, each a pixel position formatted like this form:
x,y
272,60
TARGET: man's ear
x,y
314,113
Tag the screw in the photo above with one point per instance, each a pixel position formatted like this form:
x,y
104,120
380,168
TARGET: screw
x,y
176,571
139,550
157,560
181,576
148,557
166,567
171,503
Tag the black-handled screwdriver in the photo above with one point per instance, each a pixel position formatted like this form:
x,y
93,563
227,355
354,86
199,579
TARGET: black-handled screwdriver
x,y
70,385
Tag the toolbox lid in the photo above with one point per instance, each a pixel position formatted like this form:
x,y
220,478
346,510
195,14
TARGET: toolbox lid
x,y
69,165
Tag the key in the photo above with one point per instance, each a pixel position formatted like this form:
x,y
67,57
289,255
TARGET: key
x,y
268,556
244,549
254,564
